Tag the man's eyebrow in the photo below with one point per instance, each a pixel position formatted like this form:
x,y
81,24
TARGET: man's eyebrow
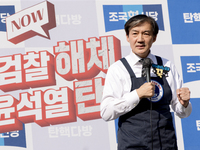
x,y
138,31
148,31
134,30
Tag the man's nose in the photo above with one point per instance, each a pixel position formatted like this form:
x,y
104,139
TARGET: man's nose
x,y
140,38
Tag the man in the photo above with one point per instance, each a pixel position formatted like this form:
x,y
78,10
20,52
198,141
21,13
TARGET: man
x,y
145,121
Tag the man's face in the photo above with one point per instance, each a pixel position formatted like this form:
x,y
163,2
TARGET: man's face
x,y
141,38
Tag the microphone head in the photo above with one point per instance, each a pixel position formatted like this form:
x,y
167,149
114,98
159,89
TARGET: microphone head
x,y
147,63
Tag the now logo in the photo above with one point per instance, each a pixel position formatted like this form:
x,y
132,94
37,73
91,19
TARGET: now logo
x,y
36,20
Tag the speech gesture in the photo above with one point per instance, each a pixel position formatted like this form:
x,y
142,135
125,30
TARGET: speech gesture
x,y
183,95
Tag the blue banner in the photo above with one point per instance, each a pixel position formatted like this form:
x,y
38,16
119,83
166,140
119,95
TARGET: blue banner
x,y
115,16
5,11
184,21
190,68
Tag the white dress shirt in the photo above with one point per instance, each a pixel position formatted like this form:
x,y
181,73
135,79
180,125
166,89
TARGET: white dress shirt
x,y
117,98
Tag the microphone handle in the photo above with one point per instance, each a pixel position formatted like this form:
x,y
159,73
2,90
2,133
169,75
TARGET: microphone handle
x,y
148,78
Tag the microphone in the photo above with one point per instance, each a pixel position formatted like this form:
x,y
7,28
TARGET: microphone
x,y
147,66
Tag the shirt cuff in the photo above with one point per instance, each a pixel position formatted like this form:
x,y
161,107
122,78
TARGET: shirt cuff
x,y
186,111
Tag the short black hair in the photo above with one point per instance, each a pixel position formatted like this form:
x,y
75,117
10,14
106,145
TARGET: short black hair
x,y
138,20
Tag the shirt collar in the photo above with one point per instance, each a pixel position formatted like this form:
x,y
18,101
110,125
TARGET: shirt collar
x,y
133,59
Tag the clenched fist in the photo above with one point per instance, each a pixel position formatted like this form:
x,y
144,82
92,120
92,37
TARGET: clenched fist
x,y
146,90
183,95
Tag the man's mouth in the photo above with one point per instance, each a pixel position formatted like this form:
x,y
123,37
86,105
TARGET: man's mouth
x,y
140,46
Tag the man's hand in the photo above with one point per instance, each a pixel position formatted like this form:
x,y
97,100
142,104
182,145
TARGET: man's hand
x,y
183,95
146,90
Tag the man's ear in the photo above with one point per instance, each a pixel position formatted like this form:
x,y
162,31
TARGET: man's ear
x,y
154,38
127,38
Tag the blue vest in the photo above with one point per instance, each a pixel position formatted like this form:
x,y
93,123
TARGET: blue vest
x,y
134,131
